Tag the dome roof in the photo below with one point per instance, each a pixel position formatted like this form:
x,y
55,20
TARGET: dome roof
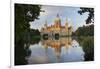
x,y
57,19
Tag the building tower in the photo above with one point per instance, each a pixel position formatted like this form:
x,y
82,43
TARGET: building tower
x,y
57,21
66,26
70,30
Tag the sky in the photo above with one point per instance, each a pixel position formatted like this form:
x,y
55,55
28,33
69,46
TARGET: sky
x,y
65,13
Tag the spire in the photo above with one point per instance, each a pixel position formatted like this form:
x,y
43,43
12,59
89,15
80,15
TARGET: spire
x,y
66,19
57,21
66,22
57,15
45,23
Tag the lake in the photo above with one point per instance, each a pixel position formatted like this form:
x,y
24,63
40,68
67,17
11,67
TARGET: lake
x,y
55,50
51,50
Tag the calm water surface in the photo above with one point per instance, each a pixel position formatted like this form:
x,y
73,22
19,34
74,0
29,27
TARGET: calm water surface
x,y
55,51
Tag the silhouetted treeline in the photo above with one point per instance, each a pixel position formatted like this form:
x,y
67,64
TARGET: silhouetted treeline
x,y
34,32
34,36
85,31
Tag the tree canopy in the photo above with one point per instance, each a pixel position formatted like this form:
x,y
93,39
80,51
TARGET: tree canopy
x,y
90,11
85,31
24,13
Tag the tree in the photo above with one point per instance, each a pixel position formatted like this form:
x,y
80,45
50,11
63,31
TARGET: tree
x,y
90,11
24,13
85,31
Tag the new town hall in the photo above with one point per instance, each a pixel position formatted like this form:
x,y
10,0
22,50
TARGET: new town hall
x,y
57,28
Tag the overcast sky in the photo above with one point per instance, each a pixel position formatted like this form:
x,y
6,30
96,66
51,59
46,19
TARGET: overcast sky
x,y
65,12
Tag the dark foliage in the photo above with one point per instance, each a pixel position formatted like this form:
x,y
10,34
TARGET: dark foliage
x,y
90,11
24,13
87,44
85,31
34,36
34,32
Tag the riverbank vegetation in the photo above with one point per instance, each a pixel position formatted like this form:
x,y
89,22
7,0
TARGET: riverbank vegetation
x,y
85,37
85,34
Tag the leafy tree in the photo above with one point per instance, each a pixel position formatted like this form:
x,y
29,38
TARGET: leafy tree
x,y
24,13
90,11
34,32
85,31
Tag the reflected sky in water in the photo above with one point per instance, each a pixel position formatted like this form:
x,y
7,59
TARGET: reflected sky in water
x,y
55,51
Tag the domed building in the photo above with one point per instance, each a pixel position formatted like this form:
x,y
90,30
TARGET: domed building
x,y
56,29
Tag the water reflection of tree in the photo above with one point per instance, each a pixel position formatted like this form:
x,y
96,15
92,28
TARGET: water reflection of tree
x,y
20,53
85,34
85,37
88,46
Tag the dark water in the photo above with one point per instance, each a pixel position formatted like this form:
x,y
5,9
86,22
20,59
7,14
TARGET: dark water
x,y
55,51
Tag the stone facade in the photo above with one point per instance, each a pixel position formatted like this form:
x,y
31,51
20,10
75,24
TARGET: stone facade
x,y
57,28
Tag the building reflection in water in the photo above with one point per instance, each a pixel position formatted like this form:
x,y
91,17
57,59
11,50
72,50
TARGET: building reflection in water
x,y
53,50
57,44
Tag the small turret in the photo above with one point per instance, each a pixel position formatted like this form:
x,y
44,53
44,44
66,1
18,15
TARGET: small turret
x,y
45,25
66,24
